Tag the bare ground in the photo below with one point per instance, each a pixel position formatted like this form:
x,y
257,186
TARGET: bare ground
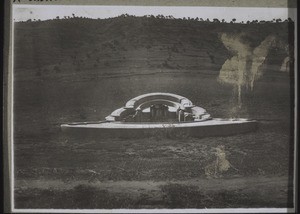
x,y
196,193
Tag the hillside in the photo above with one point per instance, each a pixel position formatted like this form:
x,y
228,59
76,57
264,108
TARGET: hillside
x,y
89,48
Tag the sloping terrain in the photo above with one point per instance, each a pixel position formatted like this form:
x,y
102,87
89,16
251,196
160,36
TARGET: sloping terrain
x,y
85,48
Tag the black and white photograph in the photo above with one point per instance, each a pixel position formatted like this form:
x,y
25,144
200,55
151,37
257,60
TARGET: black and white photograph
x,y
132,108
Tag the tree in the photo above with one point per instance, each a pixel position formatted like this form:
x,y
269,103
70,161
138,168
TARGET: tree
x,y
233,20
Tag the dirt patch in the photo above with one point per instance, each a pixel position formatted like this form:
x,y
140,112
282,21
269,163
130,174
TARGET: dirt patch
x,y
196,193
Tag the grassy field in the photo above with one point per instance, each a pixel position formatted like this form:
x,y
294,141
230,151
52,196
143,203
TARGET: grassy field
x,y
46,160
57,171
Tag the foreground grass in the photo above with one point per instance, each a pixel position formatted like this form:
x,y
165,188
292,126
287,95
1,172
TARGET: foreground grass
x,y
77,173
264,152
217,193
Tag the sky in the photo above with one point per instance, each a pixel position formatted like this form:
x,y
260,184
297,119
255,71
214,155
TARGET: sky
x,y
25,12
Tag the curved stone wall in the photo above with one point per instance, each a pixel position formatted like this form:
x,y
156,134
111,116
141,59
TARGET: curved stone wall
x,y
186,111
133,103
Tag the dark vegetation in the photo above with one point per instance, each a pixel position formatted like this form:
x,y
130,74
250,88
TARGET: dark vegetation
x,y
79,69
140,45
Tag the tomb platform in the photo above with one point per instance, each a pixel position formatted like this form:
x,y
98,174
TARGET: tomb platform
x,y
160,113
